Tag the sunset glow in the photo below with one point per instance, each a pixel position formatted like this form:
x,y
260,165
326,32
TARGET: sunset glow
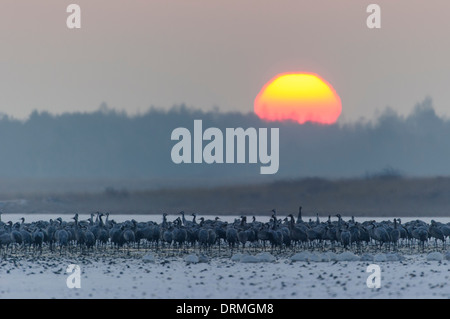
x,y
301,97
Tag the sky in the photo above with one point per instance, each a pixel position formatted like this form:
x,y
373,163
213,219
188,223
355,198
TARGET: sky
x,y
218,54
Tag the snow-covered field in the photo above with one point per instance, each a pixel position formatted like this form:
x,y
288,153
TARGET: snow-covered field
x,y
172,277
169,276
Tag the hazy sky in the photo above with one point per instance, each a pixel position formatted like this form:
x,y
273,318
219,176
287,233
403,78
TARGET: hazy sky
x,y
206,53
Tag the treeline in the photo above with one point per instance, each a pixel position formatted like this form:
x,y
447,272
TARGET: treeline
x,y
108,144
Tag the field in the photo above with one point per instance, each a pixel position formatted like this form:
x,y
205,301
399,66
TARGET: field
x,y
171,277
187,273
380,196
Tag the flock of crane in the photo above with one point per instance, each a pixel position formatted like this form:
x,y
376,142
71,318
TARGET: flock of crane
x,y
278,234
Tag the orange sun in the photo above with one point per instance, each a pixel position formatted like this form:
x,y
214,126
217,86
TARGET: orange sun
x,y
301,97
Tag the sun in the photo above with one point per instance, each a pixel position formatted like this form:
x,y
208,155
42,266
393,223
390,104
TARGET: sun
x,y
300,97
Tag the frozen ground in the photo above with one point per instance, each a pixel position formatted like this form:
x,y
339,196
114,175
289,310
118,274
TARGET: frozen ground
x,y
120,276
222,278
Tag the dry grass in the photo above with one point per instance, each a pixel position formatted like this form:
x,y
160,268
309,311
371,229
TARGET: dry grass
x,y
359,197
